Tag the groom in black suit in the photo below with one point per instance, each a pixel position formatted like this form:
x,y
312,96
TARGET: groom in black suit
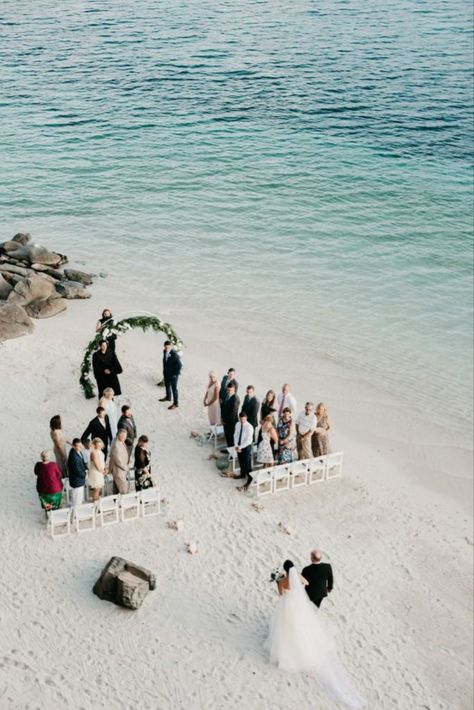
x,y
319,577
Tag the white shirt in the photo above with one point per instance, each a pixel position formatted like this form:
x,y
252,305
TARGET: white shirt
x,y
247,435
286,400
306,422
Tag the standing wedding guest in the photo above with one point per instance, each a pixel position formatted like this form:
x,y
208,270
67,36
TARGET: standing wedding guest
x,y
99,428
106,368
96,474
305,427
86,451
108,403
269,405
58,438
143,477
118,462
211,400
286,437
268,441
230,413
250,406
227,379
172,367
286,399
77,473
320,439
127,422
319,577
243,442
48,482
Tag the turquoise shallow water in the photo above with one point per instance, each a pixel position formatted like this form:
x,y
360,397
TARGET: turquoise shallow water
x,y
308,164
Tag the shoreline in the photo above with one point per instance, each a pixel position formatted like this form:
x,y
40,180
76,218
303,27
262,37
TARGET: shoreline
x,y
388,531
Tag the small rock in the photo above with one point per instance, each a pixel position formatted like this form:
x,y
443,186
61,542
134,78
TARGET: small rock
x,y
103,275
78,276
124,583
14,322
287,529
72,289
176,525
191,548
258,507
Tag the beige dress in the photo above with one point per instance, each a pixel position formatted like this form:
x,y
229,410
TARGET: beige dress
x,y
96,477
320,442
214,409
58,438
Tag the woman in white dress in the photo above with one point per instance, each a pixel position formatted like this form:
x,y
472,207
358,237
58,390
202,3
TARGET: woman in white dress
x,y
58,437
301,641
265,448
211,400
108,403
96,468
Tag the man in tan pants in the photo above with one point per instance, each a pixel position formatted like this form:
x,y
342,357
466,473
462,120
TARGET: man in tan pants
x,y
118,462
305,426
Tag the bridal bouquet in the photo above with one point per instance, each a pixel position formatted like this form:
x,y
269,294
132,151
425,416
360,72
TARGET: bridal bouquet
x,y
276,575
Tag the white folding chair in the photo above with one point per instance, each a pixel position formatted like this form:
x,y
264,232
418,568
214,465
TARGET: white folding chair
x,y
281,478
66,490
84,517
108,510
317,470
334,465
129,506
59,522
150,501
233,458
216,432
263,482
299,473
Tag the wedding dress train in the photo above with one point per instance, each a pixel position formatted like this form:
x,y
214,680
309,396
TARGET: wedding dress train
x,y
300,640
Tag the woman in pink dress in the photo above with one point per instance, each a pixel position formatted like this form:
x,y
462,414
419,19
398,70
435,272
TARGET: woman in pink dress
x,y
211,400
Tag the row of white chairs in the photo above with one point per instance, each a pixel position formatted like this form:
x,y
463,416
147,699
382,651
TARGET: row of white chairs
x,y
298,473
106,511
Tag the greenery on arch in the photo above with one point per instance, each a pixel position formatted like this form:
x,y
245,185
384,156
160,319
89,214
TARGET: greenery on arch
x,y
143,322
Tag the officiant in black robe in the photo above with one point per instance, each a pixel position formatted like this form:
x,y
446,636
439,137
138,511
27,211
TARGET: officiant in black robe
x,y
106,368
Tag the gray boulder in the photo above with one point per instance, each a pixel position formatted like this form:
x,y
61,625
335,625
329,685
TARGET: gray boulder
x,y
79,276
32,253
46,309
33,288
22,238
72,289
5,288
14,322
124,583
14,269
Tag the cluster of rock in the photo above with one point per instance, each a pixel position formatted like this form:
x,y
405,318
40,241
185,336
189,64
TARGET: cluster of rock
x,y
33,285
124,583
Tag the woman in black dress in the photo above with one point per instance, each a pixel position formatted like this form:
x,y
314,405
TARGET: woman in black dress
x,y
143,477
106,368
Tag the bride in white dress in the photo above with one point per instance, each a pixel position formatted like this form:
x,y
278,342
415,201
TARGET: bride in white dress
x,y
301,641
108,403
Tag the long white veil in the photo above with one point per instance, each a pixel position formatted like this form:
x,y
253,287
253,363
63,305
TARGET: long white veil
x,y
302,640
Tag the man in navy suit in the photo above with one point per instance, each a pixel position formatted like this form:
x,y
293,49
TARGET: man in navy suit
x,y
172,366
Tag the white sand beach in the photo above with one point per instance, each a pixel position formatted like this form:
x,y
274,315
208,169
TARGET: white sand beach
x,y
397,529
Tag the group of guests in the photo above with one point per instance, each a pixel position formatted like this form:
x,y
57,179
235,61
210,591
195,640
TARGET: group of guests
x,y
281,433
106,447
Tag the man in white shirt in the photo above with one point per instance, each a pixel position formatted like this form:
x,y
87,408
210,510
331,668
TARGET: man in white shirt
x,y
305,426
243,440
285,399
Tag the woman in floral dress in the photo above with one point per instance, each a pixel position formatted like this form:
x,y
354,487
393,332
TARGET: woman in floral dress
x,y
143,477
286,437
269,437
320,438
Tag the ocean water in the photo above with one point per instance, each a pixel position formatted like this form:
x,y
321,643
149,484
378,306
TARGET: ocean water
x,y
301,170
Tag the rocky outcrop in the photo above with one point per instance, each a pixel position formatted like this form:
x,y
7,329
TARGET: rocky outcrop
x,y
72,289
124,583
34,285
14,322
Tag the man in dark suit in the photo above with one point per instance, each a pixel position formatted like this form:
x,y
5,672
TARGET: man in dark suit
x,y
230,413
127,422
99,428
230,377
77,470
319,577
251,406
172,366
